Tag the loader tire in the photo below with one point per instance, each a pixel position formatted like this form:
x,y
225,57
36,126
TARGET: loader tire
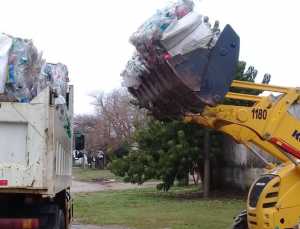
x,y
240,221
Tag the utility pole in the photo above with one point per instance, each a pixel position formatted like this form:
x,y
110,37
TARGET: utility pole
x,y
206,180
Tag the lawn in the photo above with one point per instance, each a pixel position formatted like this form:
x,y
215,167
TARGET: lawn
x,y
92,175
181,208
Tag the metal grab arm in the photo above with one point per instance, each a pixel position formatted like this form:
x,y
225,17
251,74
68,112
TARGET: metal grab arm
x,y
267,123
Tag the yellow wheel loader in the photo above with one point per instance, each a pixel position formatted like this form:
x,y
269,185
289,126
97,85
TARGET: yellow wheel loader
x,y
193,87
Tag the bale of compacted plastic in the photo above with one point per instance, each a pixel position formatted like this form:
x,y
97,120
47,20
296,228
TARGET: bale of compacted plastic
x,y
187,83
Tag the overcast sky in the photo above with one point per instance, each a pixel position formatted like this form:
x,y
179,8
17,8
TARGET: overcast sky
x,y
91,36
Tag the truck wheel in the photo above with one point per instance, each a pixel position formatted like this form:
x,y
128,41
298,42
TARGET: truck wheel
x,y
59,220
240,222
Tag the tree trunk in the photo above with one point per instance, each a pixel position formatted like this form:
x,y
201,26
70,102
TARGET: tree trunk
x,y
206,179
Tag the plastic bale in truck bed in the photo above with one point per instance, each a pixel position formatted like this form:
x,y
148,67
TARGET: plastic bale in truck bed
x,y
187,83
24,73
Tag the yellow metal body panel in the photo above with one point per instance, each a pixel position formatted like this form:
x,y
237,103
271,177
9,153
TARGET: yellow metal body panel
x,y
257,86
286,211
278,204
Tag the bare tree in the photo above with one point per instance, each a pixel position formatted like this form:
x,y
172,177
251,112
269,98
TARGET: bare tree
x,y
114,121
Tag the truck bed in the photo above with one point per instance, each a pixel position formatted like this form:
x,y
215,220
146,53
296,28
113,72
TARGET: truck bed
x,y
35,148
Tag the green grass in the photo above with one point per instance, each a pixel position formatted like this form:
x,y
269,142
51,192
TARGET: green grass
x,y
92,175
149,209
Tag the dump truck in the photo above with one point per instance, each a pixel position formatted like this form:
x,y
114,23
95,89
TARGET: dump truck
x,y
36,162
192,87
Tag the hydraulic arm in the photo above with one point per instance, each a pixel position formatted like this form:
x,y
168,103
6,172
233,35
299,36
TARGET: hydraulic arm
x,y
273,124
270,123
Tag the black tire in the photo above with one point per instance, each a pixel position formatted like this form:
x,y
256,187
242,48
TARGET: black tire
x,y
240,222
59,220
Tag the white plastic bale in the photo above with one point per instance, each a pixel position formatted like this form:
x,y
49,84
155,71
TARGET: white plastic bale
x,y
5,46
134,69
176,29
24,68
55,76
147,37
201,37
151,30
181,29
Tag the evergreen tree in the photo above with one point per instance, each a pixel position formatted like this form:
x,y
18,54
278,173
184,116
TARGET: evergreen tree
x,y
169,151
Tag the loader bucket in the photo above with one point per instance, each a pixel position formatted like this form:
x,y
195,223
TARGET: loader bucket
x,y
188,83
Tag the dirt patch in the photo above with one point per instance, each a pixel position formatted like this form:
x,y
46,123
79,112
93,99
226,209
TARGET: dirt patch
x,y
79,186
103,181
